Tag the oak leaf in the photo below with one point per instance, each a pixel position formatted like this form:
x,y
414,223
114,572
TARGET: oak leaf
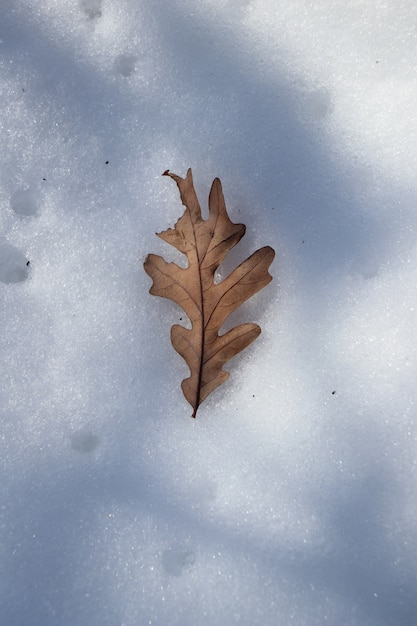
x,y
207,303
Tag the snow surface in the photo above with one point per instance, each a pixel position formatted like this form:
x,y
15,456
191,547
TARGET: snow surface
x,y
291,500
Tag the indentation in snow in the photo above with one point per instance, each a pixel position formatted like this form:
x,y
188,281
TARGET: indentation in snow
x,y
13,264
177,559
92,8
124,65
84,440
23,202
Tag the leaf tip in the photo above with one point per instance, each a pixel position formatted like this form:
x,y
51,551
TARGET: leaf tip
x,y
188,176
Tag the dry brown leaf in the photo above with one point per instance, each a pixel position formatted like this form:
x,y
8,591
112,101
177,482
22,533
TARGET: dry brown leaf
x,y
207,304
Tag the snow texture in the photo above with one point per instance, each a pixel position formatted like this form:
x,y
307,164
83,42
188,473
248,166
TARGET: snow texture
x,y
292,499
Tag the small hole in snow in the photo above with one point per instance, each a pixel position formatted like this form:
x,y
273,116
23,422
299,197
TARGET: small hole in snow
x,y
23,202
176,560
92,8
124,65
13,264
84,441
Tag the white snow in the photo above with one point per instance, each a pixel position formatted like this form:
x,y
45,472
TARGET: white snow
x,y
292,499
